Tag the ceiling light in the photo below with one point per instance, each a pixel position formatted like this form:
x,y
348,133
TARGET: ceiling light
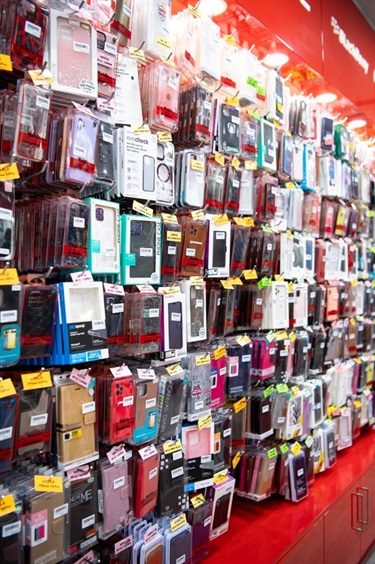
x,y
306,5
357,123
326,98
275,60
211,8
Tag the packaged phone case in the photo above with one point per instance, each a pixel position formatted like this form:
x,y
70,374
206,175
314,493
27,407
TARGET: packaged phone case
x,y
249,136
30,139
239,248
107,63
145,411
114,496
146,476
192,179
34,422
29,34
198,402
229,133
238,367
118,399
141,249
171,496
8,406
83,510
38,319
79,157
172,395
165,193
232,190
196,310
144,314
121,23
11,544
7,221
215,186
194,247
200,518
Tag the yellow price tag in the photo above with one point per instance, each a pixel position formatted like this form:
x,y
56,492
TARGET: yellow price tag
x,y
220,478
164,136
196,14
196,280
239,405
290,287
168,60
236,281
249,221
219,158
236,459
227,284
235,163
169,218
7,388
202,359
279,278
174,236
221,219
142,209
296,448
135,53
357,404
7,505
8,277
204,421
289,185
48,484
5,63
172,446
40,78
251,165
171,290
163,42
279,107
229,39
9,172
197,214
220,352
239,221
243,340
36,380
139,129
250,274
197,500
178,522
292,337
233,101
174,369
354,282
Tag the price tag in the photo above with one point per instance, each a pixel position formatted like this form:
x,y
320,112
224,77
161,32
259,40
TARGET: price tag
x,y
120,371
172,446
296,448
9,277
147,452
140,129
292,336
81,277
250,274
219,158
354,282
229,39
196,280
204,421
40,78
151,533
239,405
169,218
196,14
279,278
357,404
7,505
235,281
164,136
279,107
233,101
270,336
197,214
282,388
178,522
36,380
135,53
276,124
146,373
284,448
221,477
116,454
197,500
142,209
272,453
268,391
5,63
236,459
82,378
174,369
309,442
251,165
264,283
243,340
80,473
290,185
281,336
197,165
7,388
235,163
202,359
220,352
249,221
171,290
9,172
48,484
163,42
174,236
123,544
249,111
221,219
239,221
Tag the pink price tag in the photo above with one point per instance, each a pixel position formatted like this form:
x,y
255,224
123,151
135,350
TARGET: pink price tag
x,y
82,378
80,277
150,534
104,105
80,473
146,373
83,109
120,371
116,454
147,452
123,544
115,289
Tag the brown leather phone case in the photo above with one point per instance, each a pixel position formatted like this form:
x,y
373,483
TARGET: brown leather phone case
x,y
194,248
44,533
154,555
75,426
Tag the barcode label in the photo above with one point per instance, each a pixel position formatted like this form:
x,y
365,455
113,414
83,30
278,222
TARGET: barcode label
x,y
98,325
33,29
150,403
79,222
42,102
6,214
8,316
108,137
173,83
177,472
127,11
81,47
6,433
190,252
172,250
38,420
79,152
60,511
109,48
153,473
118,483
153,312
146,251
117,308
176,316
88,521
12,529
88,407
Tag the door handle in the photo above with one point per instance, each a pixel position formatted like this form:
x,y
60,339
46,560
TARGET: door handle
x,y
357,496
365,522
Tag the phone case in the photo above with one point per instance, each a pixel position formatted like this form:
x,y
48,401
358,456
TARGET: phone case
x,y
104,237
146,484
121,409
229,130
38,319
115,496
194,248
8,406
10,538
83,513
171,484
146,412
34,422
29,35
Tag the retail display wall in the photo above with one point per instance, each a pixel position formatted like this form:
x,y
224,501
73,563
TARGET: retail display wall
x,y
187,283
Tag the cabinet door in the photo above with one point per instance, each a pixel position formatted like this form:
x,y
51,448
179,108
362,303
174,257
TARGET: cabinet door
x,y
341,540
310,549
367,488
